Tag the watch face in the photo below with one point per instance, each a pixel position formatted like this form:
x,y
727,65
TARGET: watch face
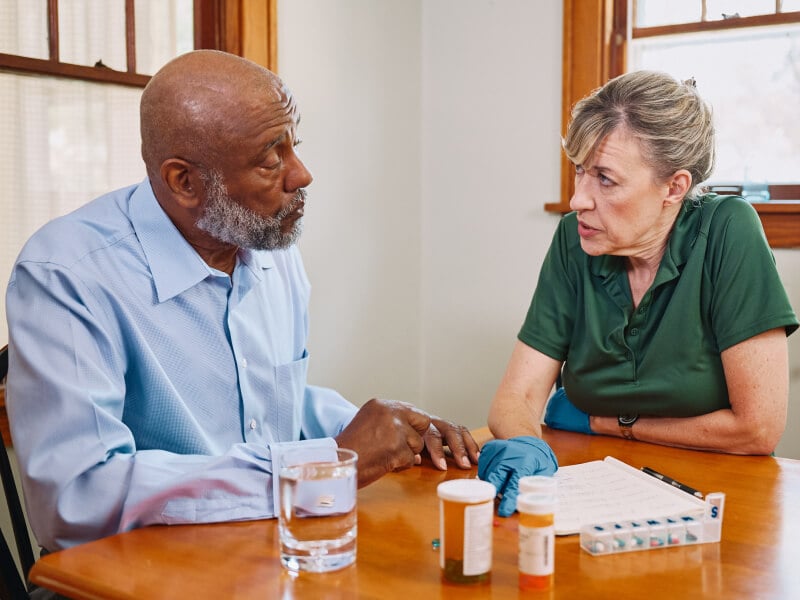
x,y
627,419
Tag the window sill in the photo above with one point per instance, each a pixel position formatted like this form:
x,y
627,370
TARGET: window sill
x,y
781,221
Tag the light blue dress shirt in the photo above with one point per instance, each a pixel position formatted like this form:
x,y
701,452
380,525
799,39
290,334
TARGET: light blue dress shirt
x,y
147,387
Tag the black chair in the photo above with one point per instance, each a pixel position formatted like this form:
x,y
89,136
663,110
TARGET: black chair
x,y
14,585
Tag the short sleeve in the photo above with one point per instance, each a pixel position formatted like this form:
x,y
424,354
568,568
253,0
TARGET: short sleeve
x,y
749,297
550,319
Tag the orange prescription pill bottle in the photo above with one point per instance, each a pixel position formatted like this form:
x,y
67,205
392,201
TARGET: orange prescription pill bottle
x,y
466,513
536,540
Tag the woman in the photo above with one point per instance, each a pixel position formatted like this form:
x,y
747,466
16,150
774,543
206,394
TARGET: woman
x,y
660,306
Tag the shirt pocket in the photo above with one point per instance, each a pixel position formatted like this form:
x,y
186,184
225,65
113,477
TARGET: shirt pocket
x,y
290,386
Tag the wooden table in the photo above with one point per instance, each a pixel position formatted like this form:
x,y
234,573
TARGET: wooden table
x,y
398,518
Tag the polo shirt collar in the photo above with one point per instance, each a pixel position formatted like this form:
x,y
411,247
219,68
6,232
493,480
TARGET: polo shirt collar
x,y
681,240
174,264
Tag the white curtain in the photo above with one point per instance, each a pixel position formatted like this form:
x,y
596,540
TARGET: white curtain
x,y
65,142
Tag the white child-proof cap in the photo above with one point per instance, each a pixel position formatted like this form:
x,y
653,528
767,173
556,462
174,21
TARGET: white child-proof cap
x,y
538,484
466,490
536,504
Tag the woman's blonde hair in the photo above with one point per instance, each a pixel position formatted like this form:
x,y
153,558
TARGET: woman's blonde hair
x,y
672,122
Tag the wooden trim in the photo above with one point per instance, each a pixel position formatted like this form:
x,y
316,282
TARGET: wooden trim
x,y
52,30
785,192
259,32
588,30
704,26
781,222
130,36
206,19
272,30
618,39
216,25
247,28
12,62
231,27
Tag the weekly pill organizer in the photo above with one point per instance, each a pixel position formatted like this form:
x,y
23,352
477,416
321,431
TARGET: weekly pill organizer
x,y
655,533
618,508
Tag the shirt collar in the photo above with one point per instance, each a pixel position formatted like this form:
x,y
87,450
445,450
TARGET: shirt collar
x,y
175,265
681,240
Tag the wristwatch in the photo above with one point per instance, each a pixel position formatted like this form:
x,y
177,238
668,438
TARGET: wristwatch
x,y
626,425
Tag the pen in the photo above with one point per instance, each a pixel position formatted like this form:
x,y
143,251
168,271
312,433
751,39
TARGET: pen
x,y
681,486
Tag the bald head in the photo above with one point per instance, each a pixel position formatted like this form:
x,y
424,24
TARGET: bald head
x,y
195,106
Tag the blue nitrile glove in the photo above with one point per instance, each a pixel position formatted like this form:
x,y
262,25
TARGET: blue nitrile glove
x,y
563,414
503,462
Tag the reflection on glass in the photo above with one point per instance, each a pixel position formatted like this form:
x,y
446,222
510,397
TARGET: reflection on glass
x,y
651,13
744,8
751,77
92,31
164,30
23,28
64,143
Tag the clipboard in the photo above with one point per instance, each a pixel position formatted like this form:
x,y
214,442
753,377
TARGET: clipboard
x,y
610,490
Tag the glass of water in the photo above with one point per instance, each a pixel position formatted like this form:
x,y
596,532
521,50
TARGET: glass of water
x,y
318,517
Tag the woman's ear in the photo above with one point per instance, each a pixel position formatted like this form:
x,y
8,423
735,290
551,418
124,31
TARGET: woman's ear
x,y
178,175
679,185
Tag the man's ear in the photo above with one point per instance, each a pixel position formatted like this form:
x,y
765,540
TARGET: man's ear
x,y
180,176
679,185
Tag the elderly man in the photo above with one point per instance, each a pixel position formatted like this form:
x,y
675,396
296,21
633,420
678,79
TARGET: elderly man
x,y
158,334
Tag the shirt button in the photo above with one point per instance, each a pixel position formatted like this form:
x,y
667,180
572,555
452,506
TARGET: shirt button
x,y
634,331
252,424
244,363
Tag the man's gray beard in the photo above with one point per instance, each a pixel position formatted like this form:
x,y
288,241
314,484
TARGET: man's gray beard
x,y
230,222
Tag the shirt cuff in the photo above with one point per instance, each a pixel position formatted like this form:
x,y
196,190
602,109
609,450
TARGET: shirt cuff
x,y
319,449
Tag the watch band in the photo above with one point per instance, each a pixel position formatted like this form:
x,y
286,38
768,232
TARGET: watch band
x,y
625,423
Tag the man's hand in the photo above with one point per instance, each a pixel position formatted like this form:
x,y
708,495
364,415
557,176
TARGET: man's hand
x,y
387,435
390,436
457,438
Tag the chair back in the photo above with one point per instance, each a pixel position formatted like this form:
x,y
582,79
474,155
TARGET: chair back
x,y
15,584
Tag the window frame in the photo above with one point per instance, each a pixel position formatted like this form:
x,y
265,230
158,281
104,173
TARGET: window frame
x,y
595,49
244,27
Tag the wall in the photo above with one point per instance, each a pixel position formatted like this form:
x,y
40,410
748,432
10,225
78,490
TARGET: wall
x,y
788,262
432,127
353,66
491,88
423,239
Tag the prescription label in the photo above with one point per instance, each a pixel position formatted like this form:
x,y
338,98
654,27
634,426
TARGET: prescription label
x,y
478,538
536,550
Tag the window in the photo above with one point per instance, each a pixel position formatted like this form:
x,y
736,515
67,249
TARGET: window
x,y
71,75
745,56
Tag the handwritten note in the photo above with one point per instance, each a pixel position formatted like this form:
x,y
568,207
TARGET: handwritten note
x,y
609,490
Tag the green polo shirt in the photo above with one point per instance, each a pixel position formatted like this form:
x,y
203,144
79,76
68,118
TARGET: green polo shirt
x,y
717,285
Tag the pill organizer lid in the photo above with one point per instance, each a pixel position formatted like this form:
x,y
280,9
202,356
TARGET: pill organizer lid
x,y
466,490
